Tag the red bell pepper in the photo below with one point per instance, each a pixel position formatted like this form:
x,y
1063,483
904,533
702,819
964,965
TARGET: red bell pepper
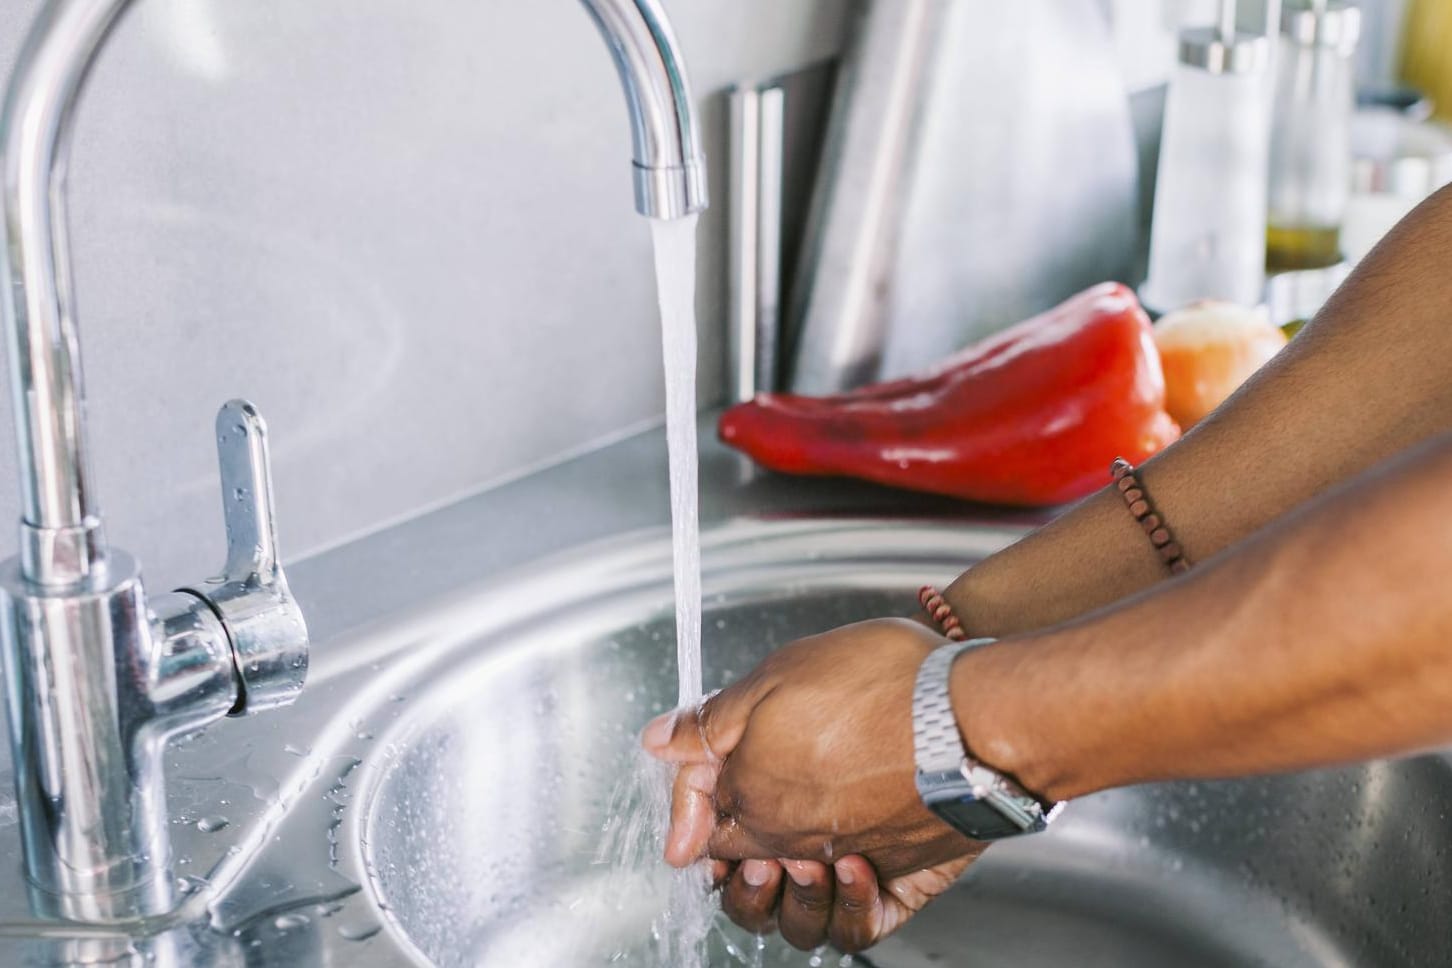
x,y
1031,416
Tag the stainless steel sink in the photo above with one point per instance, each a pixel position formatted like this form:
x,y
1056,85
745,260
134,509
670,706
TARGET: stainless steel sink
x,y
482,818
438,793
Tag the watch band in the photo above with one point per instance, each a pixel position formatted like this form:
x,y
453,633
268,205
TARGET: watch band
x,y
973,798
937,745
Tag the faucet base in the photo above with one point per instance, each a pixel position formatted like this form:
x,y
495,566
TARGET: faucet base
x,y
132,905
97,682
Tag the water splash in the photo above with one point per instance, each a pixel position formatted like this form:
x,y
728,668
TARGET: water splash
x,y
680,904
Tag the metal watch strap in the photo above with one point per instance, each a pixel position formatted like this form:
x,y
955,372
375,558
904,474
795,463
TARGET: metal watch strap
x,y
937,745
971,797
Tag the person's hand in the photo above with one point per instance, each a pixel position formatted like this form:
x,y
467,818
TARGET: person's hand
x,y
843,903
810,757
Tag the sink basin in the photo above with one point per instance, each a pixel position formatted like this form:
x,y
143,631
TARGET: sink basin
x,y
482,813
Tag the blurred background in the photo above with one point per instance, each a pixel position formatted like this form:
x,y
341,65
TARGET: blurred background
x,y
409,239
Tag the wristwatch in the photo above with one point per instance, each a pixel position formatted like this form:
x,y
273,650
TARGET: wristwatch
x,y
973,799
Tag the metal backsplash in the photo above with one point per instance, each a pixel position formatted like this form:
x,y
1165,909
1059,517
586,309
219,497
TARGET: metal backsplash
x,y
981,166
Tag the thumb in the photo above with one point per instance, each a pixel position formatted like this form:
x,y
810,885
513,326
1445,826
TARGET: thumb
x,y
708,732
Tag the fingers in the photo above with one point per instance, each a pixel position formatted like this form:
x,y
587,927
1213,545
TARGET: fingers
x,y
693,817
728,840
856,921
708,733
806,904
751,895
676,737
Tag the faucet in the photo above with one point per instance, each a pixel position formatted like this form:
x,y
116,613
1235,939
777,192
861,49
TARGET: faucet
x,y
99,674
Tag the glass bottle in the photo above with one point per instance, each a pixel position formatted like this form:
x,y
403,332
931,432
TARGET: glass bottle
x,y
1310,153
1207,240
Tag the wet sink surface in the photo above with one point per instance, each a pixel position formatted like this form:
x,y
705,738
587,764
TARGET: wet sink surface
x,y
482,814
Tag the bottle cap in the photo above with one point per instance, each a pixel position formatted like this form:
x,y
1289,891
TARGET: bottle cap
x,y
1210,50
1336,25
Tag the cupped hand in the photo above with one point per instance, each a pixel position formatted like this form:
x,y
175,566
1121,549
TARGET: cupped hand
x,y
810,757
843,903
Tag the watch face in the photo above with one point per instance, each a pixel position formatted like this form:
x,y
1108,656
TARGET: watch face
x,y
978,809
974,818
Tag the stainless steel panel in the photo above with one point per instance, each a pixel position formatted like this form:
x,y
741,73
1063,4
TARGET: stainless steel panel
x,y
982,167
758,118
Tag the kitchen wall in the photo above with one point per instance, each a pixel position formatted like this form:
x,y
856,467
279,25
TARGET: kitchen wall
x,y
404,229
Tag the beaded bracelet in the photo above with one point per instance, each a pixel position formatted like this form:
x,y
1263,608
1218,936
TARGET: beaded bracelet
x,y
1137,499
942,613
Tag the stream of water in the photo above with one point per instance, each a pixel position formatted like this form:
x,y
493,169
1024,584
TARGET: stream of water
x,y
679,905
637,886
680,931
675,274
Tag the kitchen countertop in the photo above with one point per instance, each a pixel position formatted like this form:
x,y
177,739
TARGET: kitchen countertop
x,y
619,488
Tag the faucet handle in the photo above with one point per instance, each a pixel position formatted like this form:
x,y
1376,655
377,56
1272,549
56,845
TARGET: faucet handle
x,y
264,624
245,465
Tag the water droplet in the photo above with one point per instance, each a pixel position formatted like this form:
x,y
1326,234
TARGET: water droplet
x,y
359,932
210,825
296,750
239,494
290,922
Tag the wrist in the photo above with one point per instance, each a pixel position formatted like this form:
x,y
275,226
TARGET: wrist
x,y
1089,557
976,601
1013,726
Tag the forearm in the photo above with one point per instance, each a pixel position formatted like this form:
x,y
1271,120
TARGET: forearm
x,y
1327,638
1372,376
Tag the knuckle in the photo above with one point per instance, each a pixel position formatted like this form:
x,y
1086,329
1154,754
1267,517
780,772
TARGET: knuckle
x,y
801,940
730,799
740,912
812,899
756,924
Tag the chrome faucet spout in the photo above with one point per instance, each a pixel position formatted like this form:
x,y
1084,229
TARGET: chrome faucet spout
x,y
670,166
98,676
61,540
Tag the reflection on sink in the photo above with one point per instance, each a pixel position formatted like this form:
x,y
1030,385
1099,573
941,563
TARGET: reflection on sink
x,y
481,822
488,823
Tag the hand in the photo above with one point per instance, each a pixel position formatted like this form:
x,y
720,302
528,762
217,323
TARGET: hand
x,y
811,757
844,903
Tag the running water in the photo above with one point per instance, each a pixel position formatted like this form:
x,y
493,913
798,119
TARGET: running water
x,y
675,276
640,810
637,888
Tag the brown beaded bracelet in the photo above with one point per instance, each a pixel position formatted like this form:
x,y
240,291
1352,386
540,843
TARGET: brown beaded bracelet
x,y
1137,499
937,606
